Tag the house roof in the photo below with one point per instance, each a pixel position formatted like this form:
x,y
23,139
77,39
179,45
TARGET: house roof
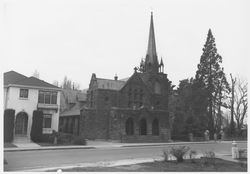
x,y
11,77
14,78
110,84
75,110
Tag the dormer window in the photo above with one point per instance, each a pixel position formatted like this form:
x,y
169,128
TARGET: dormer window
x,y
24,93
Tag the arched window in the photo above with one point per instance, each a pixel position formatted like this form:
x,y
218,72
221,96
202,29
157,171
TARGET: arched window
x,y
157,88
155,127
130,126
143,127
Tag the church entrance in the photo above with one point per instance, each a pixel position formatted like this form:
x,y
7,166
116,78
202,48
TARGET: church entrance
x,y
21,124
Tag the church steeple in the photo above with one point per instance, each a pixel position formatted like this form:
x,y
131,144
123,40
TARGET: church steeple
x,y
151,62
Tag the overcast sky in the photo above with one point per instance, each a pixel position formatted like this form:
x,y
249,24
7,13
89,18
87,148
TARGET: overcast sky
x,y
107,37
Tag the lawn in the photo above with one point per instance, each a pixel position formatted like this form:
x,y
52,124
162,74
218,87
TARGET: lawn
x,y
8,145
170,166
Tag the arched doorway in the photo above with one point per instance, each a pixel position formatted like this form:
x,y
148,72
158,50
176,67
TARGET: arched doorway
x,y
143,127
155,127
21,123
130,126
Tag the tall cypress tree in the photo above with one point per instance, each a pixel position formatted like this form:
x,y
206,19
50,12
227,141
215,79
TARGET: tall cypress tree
x,y
211,74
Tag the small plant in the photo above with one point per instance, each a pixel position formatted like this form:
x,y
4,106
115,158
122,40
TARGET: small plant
x,y
178,152
79,141
192,155
166,155
209,158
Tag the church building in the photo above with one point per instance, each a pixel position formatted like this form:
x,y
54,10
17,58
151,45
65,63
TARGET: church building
x,y
130,110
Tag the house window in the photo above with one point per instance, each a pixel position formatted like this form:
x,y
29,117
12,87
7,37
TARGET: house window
x,y
24,93
47,120
53,98
47,97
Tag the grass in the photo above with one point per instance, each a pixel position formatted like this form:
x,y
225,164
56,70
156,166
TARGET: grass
x,y
51,144
170,166
8,145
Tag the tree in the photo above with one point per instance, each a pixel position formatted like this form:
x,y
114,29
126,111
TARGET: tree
x,y
36,74
68,84
241,103
9,117
211,76
55,83
232,124
37,126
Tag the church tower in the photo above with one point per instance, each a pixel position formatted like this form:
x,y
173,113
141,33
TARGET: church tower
x,y
151,62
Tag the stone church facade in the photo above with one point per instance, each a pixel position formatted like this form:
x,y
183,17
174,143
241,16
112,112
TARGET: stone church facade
x,y
130,110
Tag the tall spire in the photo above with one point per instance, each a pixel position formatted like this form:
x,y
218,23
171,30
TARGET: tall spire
x,y
151,62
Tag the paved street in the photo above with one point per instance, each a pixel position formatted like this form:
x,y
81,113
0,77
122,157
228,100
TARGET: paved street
x,y
24,160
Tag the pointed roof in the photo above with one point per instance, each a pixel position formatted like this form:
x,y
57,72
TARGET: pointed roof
x,y
151,56
12,78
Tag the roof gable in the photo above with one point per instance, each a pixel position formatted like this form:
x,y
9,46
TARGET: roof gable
x,y
110,84
32,81
135,77
11,77
14,78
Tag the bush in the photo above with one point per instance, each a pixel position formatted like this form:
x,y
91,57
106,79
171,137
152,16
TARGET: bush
x,y
9,117
192,155
36,133
178,152
64,138
209,158
79,141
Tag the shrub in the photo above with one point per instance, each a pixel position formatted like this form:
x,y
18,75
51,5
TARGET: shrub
x,y
178,152
78,140
192,155
209,158
64,138
36,133
9,117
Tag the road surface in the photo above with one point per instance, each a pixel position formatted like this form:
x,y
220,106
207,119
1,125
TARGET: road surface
x,y
26,160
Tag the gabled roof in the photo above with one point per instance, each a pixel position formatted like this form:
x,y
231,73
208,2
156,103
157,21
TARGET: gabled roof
x,y
110,84
75,110
14,78
32,81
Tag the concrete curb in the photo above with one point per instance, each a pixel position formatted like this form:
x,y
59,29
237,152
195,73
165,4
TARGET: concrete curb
x,y
48,148
112,146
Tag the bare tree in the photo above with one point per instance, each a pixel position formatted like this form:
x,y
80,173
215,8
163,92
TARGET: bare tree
x,y
36,74
233,81
241,104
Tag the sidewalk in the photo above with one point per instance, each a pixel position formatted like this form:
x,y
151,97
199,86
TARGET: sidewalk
x,y
105,144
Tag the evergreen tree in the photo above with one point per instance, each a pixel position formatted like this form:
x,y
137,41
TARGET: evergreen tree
x,y
212,78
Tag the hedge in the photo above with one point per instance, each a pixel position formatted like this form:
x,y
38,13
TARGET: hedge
x,y
9,117
36,133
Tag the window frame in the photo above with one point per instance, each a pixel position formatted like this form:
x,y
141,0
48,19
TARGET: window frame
x,y
45,117
21,92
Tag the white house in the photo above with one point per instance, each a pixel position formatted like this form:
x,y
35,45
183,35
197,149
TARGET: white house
x,y
26,94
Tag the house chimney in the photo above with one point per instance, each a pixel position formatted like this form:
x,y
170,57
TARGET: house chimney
x,y
116,77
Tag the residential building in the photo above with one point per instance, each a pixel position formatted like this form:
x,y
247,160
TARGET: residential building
x,y
27,94
71,103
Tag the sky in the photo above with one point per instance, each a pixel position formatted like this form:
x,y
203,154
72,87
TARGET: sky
x,y
76,38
